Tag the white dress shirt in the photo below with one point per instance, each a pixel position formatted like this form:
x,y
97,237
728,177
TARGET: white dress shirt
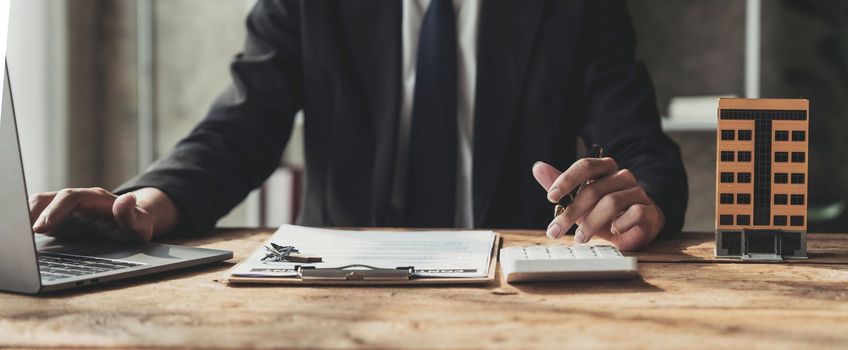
x,y
467,18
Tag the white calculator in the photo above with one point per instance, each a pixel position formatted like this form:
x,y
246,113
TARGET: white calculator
x,y
565,263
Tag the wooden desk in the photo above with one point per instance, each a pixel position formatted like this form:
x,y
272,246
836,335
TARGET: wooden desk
x,y
685,299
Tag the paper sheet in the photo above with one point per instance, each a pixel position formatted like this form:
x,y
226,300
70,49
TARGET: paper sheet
x,y
431,253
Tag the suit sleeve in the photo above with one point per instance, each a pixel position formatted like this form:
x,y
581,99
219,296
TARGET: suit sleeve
x,y
621,112
240,141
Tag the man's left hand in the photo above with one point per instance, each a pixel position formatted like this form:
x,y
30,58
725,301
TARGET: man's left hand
x,y
612,205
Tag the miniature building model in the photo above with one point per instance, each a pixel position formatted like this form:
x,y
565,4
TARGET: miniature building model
x,y
761,178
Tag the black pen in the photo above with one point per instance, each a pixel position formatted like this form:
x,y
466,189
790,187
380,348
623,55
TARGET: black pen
x,y
596,152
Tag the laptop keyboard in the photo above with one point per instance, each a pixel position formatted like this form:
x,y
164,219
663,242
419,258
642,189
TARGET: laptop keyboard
x,y
60,266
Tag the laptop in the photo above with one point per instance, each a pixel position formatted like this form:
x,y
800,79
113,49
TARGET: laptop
x,y
36,263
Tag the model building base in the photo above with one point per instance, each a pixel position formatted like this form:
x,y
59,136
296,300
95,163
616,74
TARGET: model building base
x,y
761,245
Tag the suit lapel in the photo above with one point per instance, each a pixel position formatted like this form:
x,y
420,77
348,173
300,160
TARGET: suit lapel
x,y
504,41
372,32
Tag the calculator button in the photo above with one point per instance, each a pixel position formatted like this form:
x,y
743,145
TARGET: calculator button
x,y
560,252
607,252
583,252
515,252
537,252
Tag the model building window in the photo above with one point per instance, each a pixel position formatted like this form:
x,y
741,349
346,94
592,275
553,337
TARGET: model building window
x,y
799,136
743,198
725,219
744,156
781,178
779,220
781,157
797,178
797,199
781,135
726,156
796,220
728,135
780,199
727,177
743,220
726,198
798,157
744,135
743,178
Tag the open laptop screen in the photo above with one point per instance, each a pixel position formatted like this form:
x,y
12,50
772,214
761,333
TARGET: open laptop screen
x,y
18,264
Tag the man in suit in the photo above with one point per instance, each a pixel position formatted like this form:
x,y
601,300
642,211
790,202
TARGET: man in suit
x,y
419,113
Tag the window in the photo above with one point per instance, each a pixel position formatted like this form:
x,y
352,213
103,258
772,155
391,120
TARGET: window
x,y
744,135
743,178
726,156
779,220
796,220
725,219
780,199
799,136
797,199
781,135
743,220
781,178
726,198
743,198
781,157
728,135
797,178
744,156
727,177
798,157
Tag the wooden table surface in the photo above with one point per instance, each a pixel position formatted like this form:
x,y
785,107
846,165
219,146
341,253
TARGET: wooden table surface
x,y
684,299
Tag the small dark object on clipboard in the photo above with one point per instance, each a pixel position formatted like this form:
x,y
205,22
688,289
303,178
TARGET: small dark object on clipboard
x,y
277,253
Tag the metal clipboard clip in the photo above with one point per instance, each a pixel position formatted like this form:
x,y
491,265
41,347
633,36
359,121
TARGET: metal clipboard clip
x,y
356,272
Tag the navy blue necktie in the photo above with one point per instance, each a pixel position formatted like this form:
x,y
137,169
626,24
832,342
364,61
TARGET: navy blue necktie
x,y
431,174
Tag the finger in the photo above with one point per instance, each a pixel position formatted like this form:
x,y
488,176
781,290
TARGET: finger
x,y
637,238
635,215
557,227
639,225
38,202
606,210
132,219
67,201
74,226
582,170
124,211
133,222
545,174
592,193
587,198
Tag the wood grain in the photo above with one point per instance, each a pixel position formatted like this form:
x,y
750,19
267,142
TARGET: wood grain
x,y
685,299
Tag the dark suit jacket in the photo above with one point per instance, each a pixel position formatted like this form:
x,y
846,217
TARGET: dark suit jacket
x,y
548,71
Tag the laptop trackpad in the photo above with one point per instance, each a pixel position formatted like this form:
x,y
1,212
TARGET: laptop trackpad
x,y
152,254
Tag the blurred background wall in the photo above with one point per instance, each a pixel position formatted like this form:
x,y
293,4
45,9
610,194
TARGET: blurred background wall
x,y
103,87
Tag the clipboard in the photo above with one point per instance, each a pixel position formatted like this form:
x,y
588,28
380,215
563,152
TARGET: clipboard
x,y
366,275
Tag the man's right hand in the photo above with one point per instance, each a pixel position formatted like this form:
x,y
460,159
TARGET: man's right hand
x,y
133,217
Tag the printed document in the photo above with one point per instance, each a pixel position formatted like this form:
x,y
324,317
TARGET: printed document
x,y
430,253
